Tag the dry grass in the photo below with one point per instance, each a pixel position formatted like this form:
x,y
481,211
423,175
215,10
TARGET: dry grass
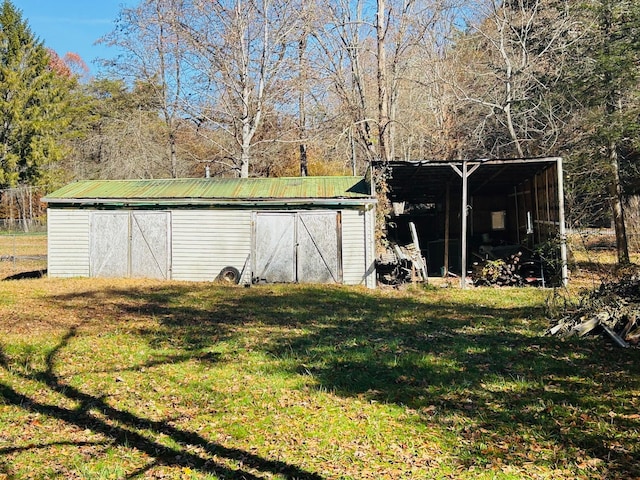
x,y
593,259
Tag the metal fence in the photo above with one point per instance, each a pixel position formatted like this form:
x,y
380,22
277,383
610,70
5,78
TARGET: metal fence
x,y
22,255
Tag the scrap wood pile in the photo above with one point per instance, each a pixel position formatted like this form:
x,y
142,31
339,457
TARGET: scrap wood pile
x,y
612,310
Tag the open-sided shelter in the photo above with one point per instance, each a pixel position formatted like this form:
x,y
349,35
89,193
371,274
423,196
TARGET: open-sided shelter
x,y
307,229
470,210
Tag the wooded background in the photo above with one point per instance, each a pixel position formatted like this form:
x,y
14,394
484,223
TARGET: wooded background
x,y
298,87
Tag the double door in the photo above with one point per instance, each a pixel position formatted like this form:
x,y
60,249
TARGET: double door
x,y
300,247
129,244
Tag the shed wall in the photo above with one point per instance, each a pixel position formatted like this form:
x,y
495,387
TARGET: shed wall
x,y
68,242
358,247
203,242
206,241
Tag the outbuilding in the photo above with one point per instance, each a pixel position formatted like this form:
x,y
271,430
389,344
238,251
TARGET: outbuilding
x,y
303,229
468,211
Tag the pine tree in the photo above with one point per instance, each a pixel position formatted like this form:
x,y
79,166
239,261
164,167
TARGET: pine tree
x,y
605,80
34,105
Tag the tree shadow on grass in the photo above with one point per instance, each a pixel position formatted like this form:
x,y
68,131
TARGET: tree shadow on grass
x,y
122,428
444,360
480,363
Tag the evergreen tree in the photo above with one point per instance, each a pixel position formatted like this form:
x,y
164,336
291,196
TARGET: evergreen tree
x,y
34,105
605,83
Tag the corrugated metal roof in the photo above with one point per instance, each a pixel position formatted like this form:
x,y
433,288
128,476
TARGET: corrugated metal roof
x,y
212,190
426,181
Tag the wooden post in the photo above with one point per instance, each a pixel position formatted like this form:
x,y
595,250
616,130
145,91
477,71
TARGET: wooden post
x,y
416,243
536,221
515,199
464,213
549,220
463,230
447,213
561,224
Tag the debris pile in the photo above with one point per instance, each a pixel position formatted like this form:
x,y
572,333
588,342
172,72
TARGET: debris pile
x,y
612,310
401,264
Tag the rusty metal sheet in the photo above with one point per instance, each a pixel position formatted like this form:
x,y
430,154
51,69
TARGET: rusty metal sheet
x,y
213,188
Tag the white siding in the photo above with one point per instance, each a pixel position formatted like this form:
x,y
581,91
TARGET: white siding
x,y
68,243
370,241
203,242
206,241
357,247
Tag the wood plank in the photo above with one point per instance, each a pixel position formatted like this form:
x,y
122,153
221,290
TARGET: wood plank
x,y
614,336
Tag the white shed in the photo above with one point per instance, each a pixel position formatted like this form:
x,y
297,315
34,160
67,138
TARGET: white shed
x,y
306,229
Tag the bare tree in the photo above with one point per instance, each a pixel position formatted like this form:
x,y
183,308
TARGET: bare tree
x,y
383,92
243,51
302,108
343,58
367,55
414,28
120,134
153,52
514,52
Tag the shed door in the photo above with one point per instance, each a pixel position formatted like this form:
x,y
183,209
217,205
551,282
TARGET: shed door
x,y
108,244
129,244
149,244
275,247
297,247
318,258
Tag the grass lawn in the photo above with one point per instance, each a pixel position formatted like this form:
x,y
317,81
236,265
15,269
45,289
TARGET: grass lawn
x,y
140,379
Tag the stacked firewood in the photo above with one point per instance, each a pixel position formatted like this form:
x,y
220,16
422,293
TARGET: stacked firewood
x,y
507,272
613,310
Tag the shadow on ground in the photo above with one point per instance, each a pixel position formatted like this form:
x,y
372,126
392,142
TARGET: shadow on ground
x,y
121,428
441,358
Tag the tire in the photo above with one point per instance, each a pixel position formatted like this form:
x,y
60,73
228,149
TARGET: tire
x,y
229,275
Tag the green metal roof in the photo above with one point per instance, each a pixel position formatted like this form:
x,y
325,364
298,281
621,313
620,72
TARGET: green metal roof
x,y
215,191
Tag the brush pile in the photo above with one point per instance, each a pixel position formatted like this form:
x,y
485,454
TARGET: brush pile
x,y
612,310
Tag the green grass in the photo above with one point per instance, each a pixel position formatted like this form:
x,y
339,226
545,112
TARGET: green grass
x,y
141,379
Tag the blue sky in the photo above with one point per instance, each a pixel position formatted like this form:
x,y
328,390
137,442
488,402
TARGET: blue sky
x,y
73,25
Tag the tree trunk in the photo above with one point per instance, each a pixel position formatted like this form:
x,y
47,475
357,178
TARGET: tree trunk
x,y
617,208
383,95
302,46
613,106
244,163
508,92
173,153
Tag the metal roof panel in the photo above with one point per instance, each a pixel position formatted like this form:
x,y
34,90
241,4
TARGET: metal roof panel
x,y
203,189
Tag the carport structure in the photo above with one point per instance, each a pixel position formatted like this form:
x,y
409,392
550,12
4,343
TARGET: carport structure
x,y
480,208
